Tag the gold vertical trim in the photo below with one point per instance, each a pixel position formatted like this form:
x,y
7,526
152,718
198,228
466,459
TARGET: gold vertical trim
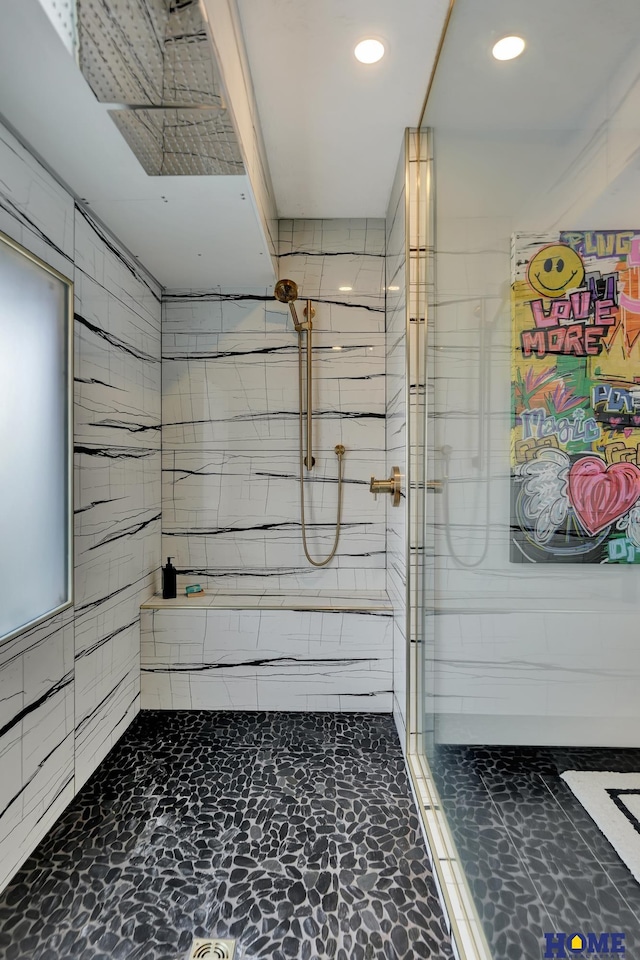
x,y
443,35
407,420
419,453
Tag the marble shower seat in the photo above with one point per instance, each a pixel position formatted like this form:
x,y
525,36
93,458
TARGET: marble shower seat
x,y
268,650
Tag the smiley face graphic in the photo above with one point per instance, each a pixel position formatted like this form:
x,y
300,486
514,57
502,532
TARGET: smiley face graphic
x,y
555,269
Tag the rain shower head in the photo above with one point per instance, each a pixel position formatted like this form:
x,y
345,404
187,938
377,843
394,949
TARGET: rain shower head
x,y
286,291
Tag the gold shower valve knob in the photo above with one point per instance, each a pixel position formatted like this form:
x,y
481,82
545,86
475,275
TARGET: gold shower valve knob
x,y
391,486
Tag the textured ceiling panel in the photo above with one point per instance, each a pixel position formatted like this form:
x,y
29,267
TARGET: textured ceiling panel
x,y
157,54
189,75
153,52
121,49
180,143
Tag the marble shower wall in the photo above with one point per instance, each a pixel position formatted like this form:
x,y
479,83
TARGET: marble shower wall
x,y
406,398
527,654
70,686
396,430
265,659
117,484
230,419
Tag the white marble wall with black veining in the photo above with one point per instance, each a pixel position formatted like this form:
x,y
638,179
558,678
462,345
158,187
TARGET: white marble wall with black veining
x,y
259,659
526,653
36,736
230,419
421,494
117,490
36,667
70,686
396,429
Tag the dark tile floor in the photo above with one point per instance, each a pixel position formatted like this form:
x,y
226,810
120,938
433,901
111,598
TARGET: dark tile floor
x,y
293,833
535,860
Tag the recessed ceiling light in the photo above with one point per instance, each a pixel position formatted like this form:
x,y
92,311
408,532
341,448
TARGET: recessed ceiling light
x,y
393,288
369,51
508,48
345,289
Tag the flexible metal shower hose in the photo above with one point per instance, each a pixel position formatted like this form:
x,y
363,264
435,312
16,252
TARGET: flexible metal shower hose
x,y
339,454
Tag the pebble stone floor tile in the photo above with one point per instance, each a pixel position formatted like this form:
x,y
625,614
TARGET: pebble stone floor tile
x,y
294,834
535,860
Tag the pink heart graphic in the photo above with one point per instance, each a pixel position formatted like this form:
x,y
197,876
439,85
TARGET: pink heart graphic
x,y
627,432
600,494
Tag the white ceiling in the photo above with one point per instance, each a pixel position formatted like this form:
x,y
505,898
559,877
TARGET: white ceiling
x,y
187,231
573,48
550,140
332,126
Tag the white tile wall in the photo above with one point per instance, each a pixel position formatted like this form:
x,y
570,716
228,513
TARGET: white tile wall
x,y
118,490
396,430
526,653
36,736
70,686
231,513
230,498
266,660
230,418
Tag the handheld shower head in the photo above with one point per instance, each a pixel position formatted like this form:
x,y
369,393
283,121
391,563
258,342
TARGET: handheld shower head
x,y
286,291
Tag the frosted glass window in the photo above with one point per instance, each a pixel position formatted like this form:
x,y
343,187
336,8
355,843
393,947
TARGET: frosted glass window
x,y
35,378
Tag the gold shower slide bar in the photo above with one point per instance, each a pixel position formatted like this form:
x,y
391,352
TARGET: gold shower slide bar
x,y
309,312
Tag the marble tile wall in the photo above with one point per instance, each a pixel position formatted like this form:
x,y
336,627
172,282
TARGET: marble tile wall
x,y
406,281
230,495
396,430
526,653
36,736
118,488
230,419
221,659
422,496
71,686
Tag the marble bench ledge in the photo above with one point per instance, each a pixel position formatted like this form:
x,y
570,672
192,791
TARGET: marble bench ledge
x,y
311,600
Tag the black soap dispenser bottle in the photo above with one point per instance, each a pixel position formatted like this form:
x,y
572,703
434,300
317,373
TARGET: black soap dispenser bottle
x,y
169,581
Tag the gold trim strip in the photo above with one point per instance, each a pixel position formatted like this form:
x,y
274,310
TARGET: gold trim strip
x,y
407,420
443,35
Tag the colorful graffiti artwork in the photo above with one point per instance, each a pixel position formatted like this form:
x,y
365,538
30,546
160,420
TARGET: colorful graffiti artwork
x,y
575,397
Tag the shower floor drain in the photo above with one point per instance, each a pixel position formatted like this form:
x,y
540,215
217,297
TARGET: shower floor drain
x,y
212,950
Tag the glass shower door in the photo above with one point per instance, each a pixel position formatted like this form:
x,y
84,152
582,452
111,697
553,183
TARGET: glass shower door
x,y
526,463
